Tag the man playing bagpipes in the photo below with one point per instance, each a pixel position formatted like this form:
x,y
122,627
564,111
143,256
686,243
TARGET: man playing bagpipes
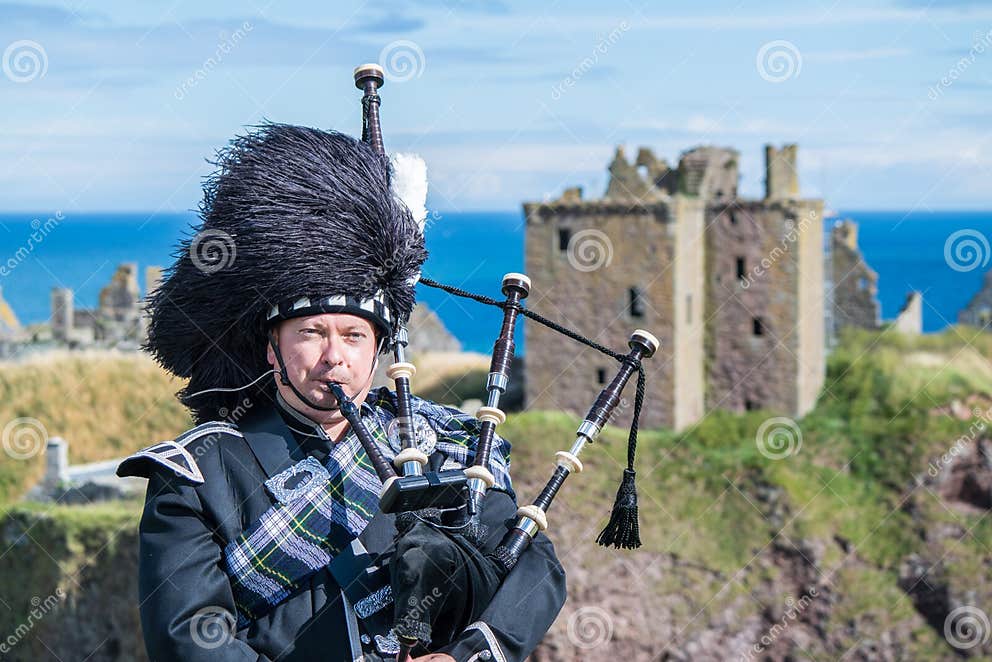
x,y
307,516
261,537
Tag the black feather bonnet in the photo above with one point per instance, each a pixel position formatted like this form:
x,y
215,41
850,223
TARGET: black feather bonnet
x,y
295,221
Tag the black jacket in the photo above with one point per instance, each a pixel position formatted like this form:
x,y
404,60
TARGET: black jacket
x,y
206,488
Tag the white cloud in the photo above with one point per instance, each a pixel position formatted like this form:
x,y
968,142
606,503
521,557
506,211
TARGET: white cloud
x,y
745,20
855,55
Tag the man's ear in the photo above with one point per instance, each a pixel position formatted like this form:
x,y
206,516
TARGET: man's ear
x,y
270,355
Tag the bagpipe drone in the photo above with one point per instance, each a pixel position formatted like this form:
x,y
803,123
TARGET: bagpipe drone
x,y
418,495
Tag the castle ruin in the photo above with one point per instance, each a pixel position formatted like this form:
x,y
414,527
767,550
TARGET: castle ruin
x,y
118,319
733,287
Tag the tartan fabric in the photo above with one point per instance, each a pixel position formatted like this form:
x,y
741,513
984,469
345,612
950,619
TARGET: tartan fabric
x,y
292,541
457,433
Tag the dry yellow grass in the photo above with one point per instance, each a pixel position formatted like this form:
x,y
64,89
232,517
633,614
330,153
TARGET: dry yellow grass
x,y
450,377
109,404
105,404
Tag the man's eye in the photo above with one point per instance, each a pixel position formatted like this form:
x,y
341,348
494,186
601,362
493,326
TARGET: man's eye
x,y
309,331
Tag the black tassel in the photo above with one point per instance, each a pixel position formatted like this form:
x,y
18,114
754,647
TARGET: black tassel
x,y
623,529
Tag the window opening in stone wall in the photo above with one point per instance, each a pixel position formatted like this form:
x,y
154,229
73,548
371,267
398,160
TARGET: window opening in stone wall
x,y
751,405
740,268
601,376
636,302
862,283
564,237
758,326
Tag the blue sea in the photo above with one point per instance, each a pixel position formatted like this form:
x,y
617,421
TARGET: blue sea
x,y
471,251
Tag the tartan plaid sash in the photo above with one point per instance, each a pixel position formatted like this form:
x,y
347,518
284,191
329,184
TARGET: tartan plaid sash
x,y
294,539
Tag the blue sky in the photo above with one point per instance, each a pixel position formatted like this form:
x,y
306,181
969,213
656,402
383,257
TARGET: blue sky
x,y
117,105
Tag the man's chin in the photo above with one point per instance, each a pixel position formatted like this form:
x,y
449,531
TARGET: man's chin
x,y
323,399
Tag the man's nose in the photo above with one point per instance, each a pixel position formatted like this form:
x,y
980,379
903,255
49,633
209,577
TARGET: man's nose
x,y
334,350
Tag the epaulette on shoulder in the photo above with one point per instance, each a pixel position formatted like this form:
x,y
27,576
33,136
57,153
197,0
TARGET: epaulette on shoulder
x,y
174,454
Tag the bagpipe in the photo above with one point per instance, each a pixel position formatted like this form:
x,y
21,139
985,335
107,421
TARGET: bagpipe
x,y
430,554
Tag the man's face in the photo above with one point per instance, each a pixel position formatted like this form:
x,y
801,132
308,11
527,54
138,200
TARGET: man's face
x,y
334,347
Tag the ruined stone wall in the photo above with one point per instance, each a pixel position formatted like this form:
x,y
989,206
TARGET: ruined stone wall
x,y
746,370
710,173
585,285
910,318
978,312
626,181
119,299
855,284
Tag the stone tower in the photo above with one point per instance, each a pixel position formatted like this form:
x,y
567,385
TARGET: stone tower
x,y
781,175
604,268
733,288
63,312
120,309
764,305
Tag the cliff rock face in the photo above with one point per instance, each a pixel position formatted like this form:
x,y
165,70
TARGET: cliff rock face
x,y
785,605
797,599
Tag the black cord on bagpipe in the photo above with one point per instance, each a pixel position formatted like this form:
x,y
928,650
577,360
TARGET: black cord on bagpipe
x,y
623,529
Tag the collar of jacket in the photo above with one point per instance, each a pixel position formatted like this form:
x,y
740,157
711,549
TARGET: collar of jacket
x,y
307,425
